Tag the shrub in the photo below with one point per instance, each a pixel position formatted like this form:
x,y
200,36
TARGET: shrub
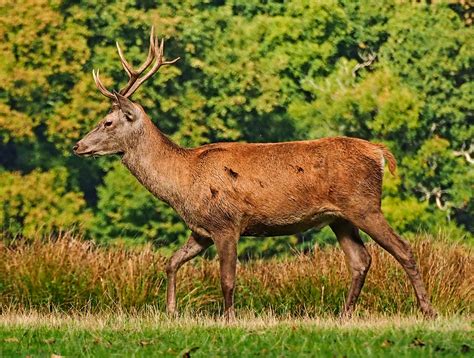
x,y
70,274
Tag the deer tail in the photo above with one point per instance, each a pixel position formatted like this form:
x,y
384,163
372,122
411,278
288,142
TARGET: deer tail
x,y
390,158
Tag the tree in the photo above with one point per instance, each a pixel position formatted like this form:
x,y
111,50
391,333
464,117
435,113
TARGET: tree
x,y
40,203
393,72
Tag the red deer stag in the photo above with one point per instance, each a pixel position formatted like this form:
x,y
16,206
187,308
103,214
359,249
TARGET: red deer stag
x,y
225,190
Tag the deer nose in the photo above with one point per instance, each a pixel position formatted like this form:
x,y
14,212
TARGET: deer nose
x,y
75,147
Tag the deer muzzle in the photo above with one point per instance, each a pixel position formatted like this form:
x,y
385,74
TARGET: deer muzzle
x,y
81,150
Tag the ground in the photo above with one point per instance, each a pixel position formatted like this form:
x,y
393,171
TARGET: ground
x,y
153,334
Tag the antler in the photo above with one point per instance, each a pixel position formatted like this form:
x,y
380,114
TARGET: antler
x,y
155,52
100,86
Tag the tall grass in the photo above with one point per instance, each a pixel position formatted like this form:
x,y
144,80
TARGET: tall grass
x,y
69,274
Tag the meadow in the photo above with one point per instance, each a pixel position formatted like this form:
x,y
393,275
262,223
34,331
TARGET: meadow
x,y
152,334
70,297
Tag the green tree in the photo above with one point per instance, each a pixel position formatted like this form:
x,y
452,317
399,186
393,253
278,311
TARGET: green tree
x,y
393,72
40,203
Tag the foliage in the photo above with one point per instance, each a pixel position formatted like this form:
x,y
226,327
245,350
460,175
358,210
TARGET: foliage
x,y
39,203
396,72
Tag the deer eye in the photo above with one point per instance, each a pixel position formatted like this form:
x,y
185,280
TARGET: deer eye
x,y
108,124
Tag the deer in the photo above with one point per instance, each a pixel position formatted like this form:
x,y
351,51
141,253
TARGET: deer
x,y
226,190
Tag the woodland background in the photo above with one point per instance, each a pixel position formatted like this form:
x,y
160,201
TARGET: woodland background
x,y
396,72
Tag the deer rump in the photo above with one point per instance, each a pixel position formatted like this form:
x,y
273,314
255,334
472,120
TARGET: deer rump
x,y
285,188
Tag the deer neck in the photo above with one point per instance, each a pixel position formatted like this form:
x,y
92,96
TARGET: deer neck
x,y
160,165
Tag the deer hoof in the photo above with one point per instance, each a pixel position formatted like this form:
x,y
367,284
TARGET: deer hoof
x,y
430,314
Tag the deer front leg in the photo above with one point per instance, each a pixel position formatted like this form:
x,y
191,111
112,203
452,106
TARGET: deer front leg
x,y
191,249
226,245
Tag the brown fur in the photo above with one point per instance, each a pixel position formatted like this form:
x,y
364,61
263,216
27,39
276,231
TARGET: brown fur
x,y
226,190
392,162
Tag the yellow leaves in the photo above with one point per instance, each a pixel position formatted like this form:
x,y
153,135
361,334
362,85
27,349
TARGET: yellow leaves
x,y
37,14
36,42
197,63
378,101
73,119
391,183
431,157
193,129
14,124
39,203
397,106
414,214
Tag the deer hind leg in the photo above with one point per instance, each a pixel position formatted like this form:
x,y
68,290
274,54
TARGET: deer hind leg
x,y
357,258
194,246
377,227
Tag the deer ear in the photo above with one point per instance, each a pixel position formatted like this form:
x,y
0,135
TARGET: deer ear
x,y
127,107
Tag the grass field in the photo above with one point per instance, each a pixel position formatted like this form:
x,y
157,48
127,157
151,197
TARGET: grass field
x,y
68,297
152,334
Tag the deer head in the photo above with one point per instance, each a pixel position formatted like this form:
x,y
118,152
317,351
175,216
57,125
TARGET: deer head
x,y
123,125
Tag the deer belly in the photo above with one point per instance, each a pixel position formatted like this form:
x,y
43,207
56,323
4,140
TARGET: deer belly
x,y
286,226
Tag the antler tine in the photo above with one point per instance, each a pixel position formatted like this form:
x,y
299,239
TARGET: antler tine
x,y
150,51
126,66
162,51
100,86
159,50
135,74
155,52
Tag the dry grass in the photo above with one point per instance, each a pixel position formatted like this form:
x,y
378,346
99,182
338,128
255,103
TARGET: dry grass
x,y
151,318
70,275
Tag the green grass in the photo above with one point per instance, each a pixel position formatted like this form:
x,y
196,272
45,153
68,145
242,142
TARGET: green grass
x,y
68,297
155,335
